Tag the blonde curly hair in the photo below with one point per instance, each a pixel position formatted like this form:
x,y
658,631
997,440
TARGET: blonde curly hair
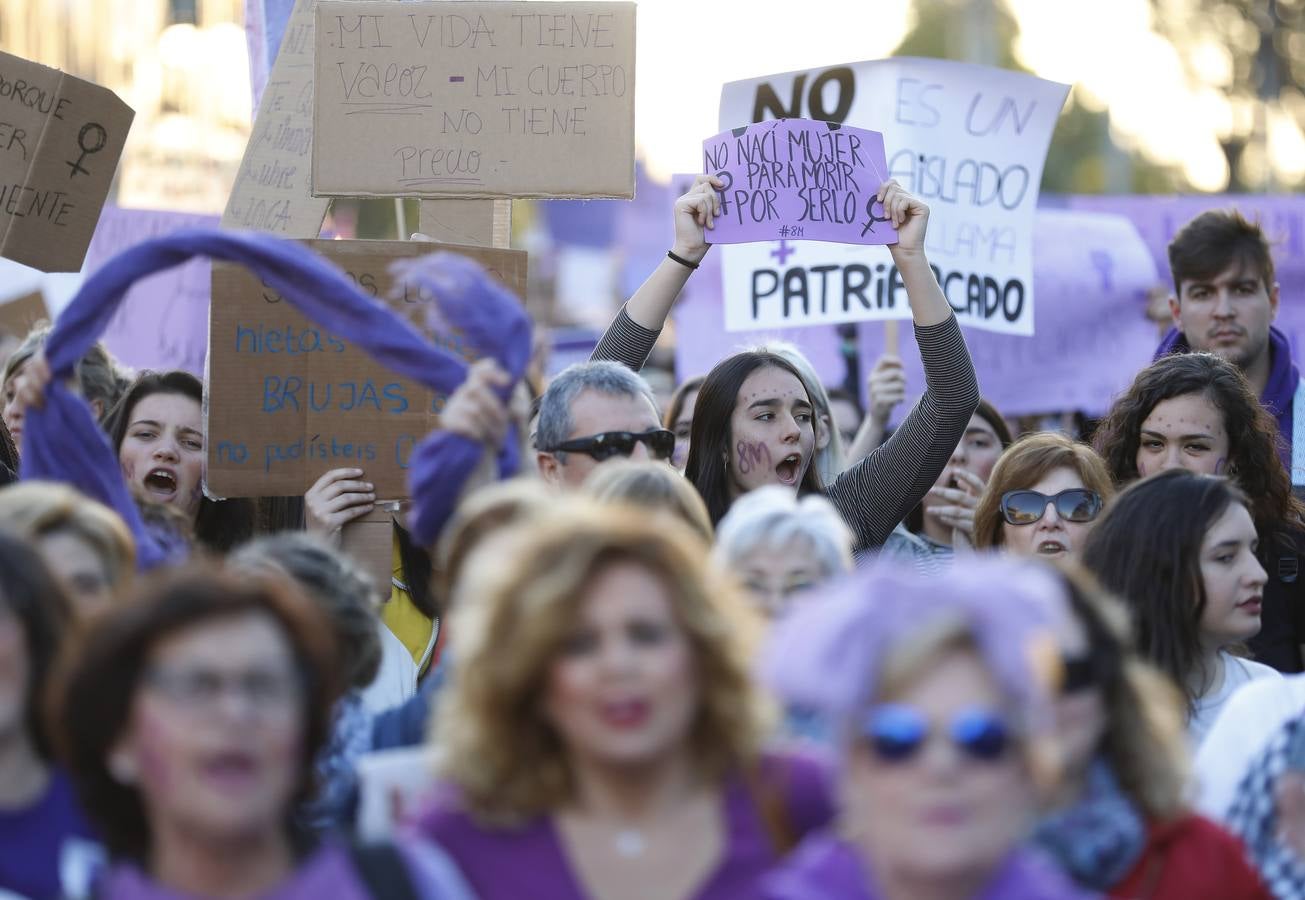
x,y
495,744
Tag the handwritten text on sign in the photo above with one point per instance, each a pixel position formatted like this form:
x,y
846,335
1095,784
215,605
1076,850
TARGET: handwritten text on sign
x,y
271,192
800,180
289,400
474,99
60,139
968,140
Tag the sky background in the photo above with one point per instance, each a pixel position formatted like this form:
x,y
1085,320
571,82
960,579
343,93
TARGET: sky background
x,y
1107,49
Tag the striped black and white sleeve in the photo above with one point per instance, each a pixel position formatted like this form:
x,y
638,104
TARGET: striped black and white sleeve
x,y
874,495
626,342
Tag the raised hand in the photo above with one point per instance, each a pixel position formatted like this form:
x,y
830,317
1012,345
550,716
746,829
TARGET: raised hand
x,y
336,499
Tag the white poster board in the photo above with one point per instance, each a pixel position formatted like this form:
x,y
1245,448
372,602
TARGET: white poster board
x,y
968,140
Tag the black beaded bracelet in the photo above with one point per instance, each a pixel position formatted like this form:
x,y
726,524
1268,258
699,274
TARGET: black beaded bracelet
x,y
681,260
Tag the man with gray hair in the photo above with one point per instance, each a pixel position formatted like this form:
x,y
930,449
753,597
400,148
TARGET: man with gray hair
x,y
593,412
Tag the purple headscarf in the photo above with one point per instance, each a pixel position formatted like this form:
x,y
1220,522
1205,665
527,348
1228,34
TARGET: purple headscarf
x,y
61,440
828,655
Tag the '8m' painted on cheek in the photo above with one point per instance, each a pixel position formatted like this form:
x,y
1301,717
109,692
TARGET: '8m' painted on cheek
x,y
752,457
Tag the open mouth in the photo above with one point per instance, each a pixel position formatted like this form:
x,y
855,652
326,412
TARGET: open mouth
x,y
788,468
1052,548
161,482
626,713
231,769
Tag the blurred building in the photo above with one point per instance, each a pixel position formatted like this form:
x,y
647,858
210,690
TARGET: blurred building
x,y
181,64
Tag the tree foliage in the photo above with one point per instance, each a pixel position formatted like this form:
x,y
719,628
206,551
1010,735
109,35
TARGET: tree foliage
x,y
1084,157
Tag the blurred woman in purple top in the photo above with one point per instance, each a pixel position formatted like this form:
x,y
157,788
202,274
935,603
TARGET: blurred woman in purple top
x,y
189,720
940,687
601,736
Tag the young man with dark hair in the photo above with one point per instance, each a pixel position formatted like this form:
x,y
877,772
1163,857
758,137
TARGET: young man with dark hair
x,y
1224,302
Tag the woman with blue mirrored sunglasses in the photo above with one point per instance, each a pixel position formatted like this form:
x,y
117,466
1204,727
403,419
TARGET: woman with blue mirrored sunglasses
x,y
935,687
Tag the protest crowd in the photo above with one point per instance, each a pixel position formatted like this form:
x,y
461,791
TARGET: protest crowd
x,y
766,638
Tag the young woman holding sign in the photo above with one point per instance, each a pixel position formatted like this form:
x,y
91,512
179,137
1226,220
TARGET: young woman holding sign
x,y
754,422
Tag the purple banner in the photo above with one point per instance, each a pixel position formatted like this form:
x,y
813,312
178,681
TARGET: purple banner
x,y
1158,219
162,323
1092,274
798,179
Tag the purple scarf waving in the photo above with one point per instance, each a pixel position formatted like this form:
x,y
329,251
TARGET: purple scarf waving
x,y
62,441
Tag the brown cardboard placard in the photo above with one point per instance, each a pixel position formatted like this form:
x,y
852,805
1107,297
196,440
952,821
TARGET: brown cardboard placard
x,y
468,98
271,191
289,401
60,139
17,316
480,223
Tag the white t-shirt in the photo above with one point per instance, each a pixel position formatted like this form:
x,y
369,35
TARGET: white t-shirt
x,y
1239,735
1237,673
396,679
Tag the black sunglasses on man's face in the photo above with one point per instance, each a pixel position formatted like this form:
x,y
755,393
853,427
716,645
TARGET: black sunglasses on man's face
x,y
659,441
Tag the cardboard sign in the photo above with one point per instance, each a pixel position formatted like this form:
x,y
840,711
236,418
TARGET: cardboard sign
x,y
474,99
60,139
271,192
968,140
162,323
17,316
801,180
289,400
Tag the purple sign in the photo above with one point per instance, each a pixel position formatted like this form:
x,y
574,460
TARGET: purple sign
x,y
799,179
162,323
1158,219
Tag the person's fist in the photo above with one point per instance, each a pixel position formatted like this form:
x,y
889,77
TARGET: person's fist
x,y
695,212
475,410
909,215
886,387
336,499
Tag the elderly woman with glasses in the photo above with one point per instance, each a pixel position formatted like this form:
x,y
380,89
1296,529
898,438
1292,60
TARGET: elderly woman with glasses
x,y
1043,497
940,689
189,720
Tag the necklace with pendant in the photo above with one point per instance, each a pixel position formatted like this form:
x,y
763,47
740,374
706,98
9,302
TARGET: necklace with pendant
x,y
629,843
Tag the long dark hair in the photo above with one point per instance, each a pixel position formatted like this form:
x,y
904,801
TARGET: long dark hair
x,y
1146,549
710,459
219,525
1252,433
43,611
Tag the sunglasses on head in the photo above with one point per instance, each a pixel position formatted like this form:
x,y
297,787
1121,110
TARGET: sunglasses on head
x,y
1027,507
897,732
660,443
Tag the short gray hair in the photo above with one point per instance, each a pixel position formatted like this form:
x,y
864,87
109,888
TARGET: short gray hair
x,y
774,516
603,376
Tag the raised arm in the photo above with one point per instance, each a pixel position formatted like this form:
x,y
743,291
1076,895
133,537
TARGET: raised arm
x,y
630,338
877,493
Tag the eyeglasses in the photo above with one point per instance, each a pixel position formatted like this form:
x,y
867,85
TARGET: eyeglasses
x,y
200,690
660,443
1027,507
897,732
